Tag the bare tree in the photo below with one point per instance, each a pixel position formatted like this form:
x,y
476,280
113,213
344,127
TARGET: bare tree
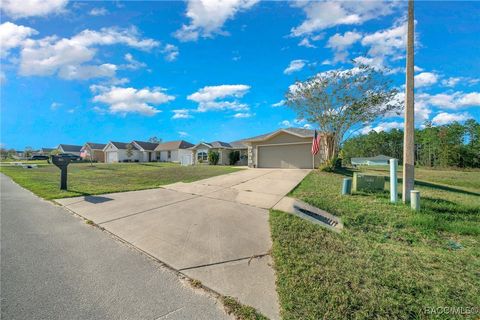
x,y
339,100
129,150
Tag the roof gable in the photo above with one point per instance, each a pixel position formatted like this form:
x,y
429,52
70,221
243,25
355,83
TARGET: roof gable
x,y
69,147
299,132
174,145
95,146
144,145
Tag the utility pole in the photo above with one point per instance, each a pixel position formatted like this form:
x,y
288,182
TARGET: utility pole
x,y
409,130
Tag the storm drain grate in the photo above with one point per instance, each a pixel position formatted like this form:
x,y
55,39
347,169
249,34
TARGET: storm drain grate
x,y
316,216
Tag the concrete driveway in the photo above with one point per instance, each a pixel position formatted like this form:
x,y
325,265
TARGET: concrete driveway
x,y
215,230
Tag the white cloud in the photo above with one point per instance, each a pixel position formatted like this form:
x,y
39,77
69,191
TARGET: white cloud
x,y
279,104
321,15
375,62
286,123
445,118
340,43
210,93
132,64
243,115
222,97
453,81
131,100
417,69
55,105
382,126
29,8
305,42
12,36
294,66
98,12
67,56
171,52
207,17
183,134
455,100
83,72
425,79
388,42
298,123
181,114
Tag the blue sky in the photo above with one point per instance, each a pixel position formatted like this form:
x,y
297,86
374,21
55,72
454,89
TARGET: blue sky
x,y
96,71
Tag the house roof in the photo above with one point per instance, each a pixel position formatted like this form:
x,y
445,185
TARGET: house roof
x,y
239,144
70,147
174,145
220,144
300,132
47,149
147,146
122,145
96,146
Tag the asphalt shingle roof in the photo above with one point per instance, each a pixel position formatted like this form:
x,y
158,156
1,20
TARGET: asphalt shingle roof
x,y
96,146
174,145
306,133
70,148
122,145
148,146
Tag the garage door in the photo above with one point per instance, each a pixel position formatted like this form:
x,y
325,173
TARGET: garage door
x,y
111,157
285,156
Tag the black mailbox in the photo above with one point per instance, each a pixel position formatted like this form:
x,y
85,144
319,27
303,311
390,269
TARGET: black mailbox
x,y
62,164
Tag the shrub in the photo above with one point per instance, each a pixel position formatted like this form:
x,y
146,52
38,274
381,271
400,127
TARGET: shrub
x,y
213,157
234,156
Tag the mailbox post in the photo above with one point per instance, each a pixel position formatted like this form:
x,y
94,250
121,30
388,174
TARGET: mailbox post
x,y
62,164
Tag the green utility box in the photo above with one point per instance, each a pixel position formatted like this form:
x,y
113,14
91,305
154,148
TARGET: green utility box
x,y
367,182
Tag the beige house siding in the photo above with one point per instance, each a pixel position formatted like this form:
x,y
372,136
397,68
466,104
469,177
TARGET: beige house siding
x,y
285,150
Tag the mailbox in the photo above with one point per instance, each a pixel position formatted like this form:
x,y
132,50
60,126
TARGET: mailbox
x,y
62,164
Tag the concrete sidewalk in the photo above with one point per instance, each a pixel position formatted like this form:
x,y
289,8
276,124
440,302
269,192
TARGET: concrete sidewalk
x,y
54,266
215,230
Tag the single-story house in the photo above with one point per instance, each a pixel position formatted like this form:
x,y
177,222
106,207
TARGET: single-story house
x,y
69,148
284,148
200,151
147,150
46,151
93,151
175,151
117,152
380,160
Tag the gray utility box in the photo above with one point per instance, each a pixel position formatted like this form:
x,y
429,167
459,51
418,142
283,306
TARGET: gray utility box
x,y
366,182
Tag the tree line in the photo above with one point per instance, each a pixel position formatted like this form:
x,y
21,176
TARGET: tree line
x,y
451,145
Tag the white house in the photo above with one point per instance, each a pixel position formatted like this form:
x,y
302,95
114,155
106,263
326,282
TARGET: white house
x,y
200,152
175,151
147,150
117,152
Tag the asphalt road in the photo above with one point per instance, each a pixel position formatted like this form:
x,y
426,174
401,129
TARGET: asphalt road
x,y
54,266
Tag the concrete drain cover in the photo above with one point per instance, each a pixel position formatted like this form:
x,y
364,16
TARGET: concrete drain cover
x,y
310,213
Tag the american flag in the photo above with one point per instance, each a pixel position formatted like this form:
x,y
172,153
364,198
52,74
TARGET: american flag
x,y
315,143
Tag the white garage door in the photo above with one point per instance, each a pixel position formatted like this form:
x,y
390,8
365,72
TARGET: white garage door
x,y
111,157
290,156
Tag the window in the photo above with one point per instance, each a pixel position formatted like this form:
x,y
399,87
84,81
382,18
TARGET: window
x,y
169,154
202,156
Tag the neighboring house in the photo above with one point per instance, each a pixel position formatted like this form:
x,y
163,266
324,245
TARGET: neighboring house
x,y
68,148
93,151
147,150
175,151
46,151
380,160
117,152
284,148
200,151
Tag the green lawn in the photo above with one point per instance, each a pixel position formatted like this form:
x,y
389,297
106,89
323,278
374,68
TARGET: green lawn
x,y
86,179
389,262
